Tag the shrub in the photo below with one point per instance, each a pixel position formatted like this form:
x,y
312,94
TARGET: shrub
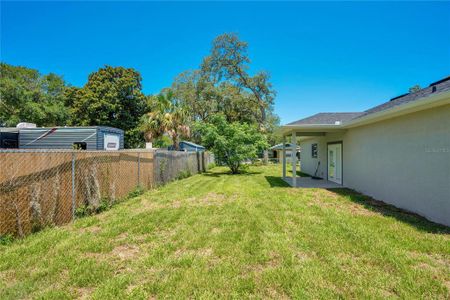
x,y
6,239
184,174
231,143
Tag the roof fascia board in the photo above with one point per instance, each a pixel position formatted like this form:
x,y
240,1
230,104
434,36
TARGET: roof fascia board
x,y
424,103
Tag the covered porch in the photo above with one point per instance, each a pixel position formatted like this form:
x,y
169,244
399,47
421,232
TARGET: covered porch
x,y
300,179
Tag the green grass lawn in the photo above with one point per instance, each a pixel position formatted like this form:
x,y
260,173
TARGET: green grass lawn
x,y
234,236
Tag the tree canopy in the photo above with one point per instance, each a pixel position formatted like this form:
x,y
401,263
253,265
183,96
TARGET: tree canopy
x,y
111,97
222,85
232,143
28,96
167,115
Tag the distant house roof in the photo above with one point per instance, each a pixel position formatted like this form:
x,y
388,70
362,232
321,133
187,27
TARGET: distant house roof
x,y
440,86
280,147
327,118
193,145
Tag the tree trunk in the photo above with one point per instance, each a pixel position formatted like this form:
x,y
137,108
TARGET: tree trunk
x,y
266,157
176,144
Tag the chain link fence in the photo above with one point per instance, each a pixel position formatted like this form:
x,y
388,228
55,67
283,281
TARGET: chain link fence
x,y
40,188
170,165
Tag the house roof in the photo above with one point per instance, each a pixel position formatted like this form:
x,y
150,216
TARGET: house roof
x,y
193,144
280,146
434,88
331,118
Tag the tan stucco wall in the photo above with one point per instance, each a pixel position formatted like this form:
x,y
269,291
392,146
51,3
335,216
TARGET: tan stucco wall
x,y
404,161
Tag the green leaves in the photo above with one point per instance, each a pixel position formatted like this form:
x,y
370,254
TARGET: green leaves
x,y
231,143
111,97
27,96
168,116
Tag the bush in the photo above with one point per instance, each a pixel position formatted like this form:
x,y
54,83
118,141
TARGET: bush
x,y
231,143
137,191
6,239
210,166
184,174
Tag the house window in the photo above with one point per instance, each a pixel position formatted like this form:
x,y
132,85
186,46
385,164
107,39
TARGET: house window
x,y
314,150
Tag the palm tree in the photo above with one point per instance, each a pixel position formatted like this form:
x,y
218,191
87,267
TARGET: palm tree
x,y
167,115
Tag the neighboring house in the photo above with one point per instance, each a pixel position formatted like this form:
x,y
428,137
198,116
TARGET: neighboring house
x,y
276,152
189,147
83,138
397,152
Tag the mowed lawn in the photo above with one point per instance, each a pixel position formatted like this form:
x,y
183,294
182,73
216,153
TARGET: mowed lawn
x,y
234,236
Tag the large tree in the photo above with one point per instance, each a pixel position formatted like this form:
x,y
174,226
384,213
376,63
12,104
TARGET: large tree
x,y
111,97
229,61
28,96
224,85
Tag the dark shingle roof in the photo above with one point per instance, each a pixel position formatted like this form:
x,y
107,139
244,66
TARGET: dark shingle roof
x,y
434,88
327,118
440,86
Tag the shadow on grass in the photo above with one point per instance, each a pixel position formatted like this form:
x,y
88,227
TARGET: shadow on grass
x,y
276,181
228,173
388,210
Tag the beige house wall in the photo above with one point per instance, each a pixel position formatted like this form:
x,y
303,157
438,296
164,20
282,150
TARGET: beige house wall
x,y
404,161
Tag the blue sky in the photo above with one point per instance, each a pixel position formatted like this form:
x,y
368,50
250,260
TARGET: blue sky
x,y
322,56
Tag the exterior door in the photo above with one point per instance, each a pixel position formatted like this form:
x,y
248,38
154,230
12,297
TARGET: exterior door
x,y
335,163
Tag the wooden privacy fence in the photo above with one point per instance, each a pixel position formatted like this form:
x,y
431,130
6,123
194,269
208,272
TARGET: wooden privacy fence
x,y
43,187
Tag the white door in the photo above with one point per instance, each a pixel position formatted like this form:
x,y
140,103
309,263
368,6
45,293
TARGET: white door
x,y
335,163
111,142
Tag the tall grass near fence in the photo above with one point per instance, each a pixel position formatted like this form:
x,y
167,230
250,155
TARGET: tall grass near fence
x,y
46,188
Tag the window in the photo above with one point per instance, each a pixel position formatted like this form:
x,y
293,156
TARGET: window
x,y
314,150
79,146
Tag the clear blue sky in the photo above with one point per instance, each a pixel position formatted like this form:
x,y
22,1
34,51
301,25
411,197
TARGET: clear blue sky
x,y
322,56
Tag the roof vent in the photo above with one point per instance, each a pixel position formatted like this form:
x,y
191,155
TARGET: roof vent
x,y
399,96
440,81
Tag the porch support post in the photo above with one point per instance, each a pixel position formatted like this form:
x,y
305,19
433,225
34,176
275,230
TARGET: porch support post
x,y
294,159
284,157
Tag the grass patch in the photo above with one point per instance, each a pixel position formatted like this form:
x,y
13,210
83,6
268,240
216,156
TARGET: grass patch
x,y
234,236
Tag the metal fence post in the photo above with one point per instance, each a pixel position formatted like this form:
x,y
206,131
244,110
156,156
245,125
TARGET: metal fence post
x,y
139,169
73,185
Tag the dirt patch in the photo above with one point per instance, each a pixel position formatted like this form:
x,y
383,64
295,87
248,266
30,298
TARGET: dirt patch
x,y
201,252
121,237
8,277
90,229
216,230
434,262
126,252
274,260
97,256
83,292
273,293
304,256
210,199
329,200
